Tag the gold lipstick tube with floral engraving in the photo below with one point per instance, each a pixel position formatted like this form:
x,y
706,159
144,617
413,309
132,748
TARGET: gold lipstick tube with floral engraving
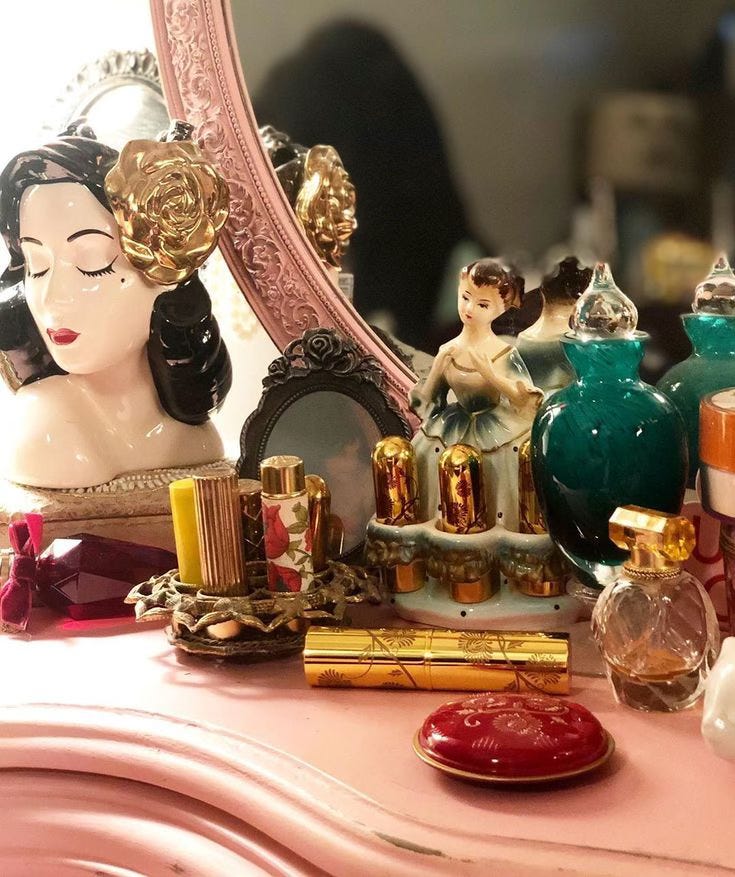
x,y
397,504
251,511
463,512
425,658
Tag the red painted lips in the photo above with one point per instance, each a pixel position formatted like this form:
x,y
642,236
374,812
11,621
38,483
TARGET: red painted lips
x,y
62,336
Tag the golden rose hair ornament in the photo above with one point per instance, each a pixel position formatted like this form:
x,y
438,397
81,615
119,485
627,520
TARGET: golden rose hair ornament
x,y
169,203
325,205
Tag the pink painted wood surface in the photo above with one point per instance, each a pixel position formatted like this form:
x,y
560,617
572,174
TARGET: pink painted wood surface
x,y
284,281
326,779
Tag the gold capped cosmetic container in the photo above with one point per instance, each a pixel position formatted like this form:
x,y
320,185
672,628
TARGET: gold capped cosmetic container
x,y
287,531
397,504
219,526
426,658
463,512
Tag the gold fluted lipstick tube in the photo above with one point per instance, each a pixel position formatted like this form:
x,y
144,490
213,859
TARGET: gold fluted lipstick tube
x,y
463,511
219,527
452,660
397,504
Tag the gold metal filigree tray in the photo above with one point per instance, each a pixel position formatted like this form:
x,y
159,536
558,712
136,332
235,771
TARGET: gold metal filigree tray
x,y
258,625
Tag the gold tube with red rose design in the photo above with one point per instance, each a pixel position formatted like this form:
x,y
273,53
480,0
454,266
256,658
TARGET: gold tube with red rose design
x,y
397,503
286,529
464,511
425,658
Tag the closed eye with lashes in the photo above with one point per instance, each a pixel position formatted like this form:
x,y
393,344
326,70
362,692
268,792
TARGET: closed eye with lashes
x,y
107,270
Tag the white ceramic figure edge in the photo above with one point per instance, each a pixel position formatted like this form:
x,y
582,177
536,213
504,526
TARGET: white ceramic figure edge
x,y
718,716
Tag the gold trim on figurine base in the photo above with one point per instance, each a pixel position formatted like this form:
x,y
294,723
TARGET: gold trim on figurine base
x,y
514,781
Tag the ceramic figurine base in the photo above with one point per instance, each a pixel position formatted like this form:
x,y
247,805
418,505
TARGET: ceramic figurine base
x,y
507,610
494,550
134,507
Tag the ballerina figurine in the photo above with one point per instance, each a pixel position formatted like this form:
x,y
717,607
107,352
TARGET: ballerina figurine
x,y
495,398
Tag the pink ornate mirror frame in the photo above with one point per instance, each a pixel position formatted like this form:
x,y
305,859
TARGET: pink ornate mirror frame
x,y
265,248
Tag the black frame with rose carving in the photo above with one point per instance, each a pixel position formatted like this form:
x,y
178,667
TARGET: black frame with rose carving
x,y
322,360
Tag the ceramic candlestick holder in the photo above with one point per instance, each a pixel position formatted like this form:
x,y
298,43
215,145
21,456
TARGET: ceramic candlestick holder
x,y
514,565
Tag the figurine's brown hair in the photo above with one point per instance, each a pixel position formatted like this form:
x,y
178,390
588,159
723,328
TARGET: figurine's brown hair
x,y
490,272
566,282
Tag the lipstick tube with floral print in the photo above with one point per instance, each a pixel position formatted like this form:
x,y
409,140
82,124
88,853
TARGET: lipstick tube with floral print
x,y
287,532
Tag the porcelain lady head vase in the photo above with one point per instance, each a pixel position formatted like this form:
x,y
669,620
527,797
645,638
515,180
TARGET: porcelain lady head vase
x,y
107,331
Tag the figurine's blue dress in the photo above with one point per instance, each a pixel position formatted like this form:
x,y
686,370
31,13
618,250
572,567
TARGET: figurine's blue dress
x,y
483,418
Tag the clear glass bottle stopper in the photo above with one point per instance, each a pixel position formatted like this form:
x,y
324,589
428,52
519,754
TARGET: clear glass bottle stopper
x,y
603,310
716,293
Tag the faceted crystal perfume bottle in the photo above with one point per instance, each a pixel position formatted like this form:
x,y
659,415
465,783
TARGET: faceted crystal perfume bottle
x,y
656,627
606,440
711,365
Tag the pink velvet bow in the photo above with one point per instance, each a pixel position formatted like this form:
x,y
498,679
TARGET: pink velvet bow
x,y
16,595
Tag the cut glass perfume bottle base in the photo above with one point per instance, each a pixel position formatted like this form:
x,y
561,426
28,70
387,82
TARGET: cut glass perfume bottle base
x,y
658,696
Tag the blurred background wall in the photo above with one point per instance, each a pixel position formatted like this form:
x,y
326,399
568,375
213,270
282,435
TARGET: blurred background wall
x,y
510,81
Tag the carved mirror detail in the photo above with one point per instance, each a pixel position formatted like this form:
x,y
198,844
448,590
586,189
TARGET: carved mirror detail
x,y
280,274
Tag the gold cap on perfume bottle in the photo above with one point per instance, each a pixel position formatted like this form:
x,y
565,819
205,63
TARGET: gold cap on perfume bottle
x,y
282,475
452,660
657,541
530,518
461,490
320,499
219,526
251,510
395,481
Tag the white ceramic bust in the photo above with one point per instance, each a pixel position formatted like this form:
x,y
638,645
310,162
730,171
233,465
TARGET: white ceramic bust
x,y
93,309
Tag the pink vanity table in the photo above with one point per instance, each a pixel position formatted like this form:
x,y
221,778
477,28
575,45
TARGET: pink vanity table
x,y
122,756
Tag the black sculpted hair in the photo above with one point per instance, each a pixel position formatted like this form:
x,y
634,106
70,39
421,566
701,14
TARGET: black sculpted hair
x,y
188,359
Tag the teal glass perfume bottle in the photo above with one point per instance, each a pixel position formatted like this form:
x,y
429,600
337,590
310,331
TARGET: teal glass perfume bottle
x,y
711,365
606,440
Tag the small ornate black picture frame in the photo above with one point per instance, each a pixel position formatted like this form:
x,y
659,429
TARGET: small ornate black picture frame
x,y
323,400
